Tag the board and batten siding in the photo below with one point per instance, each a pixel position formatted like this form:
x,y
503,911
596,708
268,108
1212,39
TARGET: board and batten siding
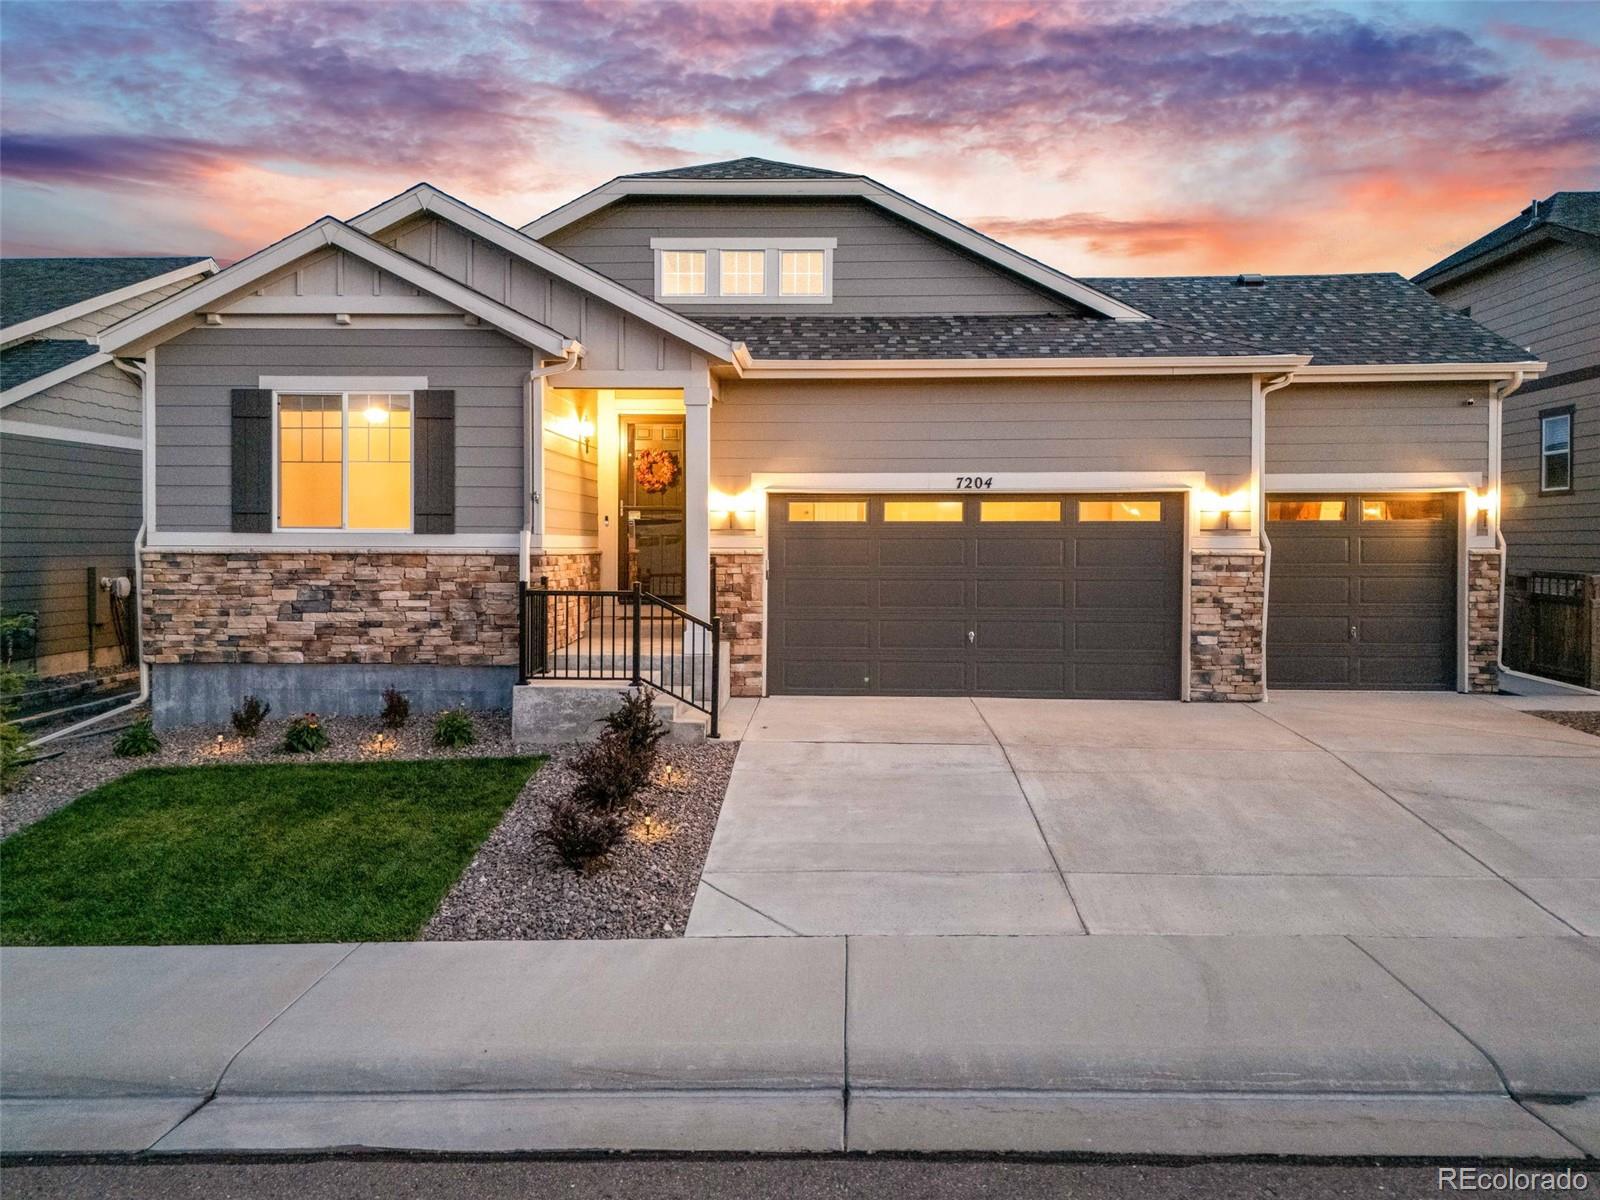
x,y
104,400
1388,428
196,371
64,507
981,426
882,266
571,495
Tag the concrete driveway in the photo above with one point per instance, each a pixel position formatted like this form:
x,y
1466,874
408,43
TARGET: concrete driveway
x,y
1429,815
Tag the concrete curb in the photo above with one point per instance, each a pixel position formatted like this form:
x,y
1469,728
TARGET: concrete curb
x,y
1164,1045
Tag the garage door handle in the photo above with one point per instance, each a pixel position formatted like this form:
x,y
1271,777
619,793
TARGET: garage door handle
x,y
972,636
1352,633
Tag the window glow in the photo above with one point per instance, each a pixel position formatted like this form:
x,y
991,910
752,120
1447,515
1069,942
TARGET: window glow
x,y
1019,510
744,272
1305,510
1119,510
801,273
924,510
1403,508
334,473
683,272
852,511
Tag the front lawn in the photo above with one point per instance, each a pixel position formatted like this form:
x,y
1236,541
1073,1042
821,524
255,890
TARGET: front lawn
x,y
260,853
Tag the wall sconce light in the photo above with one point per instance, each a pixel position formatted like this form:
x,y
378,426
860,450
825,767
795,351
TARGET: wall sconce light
x,y
721,519
1482,504
733,512
1220,514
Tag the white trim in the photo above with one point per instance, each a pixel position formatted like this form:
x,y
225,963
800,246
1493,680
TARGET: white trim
x,y
1388,481
317,305
354,541
642,380
989,368
867,189
772,249
1416,372
227,285
343,383
556,543
425,198
57,433
39,383
744,243
83,308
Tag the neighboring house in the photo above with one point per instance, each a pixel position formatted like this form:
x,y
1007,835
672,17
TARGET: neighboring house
x,y
923,462
70,447
1536,279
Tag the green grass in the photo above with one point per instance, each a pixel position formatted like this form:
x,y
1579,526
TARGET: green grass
x,y
274,853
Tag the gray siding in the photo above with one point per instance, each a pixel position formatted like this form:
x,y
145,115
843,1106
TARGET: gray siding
x,y
104,400
1547,299
1387,427
64,507
981,426
571,484
196,370
612,339
882,265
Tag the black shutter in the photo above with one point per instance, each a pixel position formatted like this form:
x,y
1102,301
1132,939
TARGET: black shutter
x,y
252,460
434,461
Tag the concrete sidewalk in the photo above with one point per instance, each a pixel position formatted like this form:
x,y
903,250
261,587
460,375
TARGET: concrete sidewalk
x,y
1242,1045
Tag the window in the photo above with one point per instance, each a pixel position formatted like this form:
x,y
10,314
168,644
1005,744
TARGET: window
x,y
683,273
744,272
1305,510
802,273
1403,508
1019,510
344,460
1555,450
1119,510
828,510
924,510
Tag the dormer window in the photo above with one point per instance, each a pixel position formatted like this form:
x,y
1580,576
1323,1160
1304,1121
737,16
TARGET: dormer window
x,y
744,270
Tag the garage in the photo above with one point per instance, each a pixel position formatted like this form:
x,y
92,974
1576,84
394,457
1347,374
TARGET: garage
x,y
1363,591
1020,595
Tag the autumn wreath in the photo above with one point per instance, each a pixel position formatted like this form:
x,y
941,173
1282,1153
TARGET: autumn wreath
x,y
655,470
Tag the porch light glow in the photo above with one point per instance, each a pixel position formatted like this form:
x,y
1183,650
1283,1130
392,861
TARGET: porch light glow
x,y
376,414
1484,500
1219,512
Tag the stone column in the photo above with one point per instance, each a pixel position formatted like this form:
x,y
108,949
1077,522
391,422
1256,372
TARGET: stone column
x,y
1483,619
1226,634
741,604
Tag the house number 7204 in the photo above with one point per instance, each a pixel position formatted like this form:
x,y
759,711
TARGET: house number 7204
x,y
972,483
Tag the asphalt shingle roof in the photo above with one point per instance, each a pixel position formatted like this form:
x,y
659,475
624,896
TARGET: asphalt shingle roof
x,y
1577,211
744,168
33,359
32,287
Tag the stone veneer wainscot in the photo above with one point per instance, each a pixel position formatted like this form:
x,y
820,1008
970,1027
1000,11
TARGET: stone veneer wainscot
x,y
1226,598
741,605
1484,569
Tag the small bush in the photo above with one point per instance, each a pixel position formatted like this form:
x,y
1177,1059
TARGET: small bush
x,y
13,750
582,835
635,724
248,716
305,735
610,774
396,708
453,729
136,740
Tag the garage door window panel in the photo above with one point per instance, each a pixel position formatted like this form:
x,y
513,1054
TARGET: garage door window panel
x,y
833,512
924,511
1009,511
1105,511
1402,508
1305,510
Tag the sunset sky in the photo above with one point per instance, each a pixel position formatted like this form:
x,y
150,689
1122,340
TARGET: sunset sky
x,y
1128,138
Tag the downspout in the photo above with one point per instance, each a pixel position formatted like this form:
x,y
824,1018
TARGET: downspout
x,y
532,471
1261,516
147,463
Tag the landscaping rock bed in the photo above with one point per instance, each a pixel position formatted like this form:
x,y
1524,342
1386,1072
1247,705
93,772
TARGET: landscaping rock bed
x,y
516,887
1586,721
87,762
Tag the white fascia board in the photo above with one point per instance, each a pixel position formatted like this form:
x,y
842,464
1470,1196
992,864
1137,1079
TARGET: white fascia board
x,y
228,284
1416,372
33,387
772,368
427,199
353,541
72,312
60,433
886,198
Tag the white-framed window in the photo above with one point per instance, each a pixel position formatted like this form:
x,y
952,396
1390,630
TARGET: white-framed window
x,y
1555,450
744,270
342,460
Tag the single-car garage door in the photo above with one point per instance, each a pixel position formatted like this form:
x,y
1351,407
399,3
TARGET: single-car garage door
x,y
976,595
1363,591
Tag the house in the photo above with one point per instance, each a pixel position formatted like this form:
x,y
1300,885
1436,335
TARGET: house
x,y
1536,279
70,450
921,461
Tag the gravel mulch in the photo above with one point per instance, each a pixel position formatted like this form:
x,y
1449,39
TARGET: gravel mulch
x,y
88,762
516,887
1588,721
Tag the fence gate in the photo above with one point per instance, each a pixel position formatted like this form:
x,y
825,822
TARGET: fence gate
x,y
1556,638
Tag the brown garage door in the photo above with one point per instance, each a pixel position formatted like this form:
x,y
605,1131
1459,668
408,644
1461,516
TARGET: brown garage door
x,y
1363,591
976,595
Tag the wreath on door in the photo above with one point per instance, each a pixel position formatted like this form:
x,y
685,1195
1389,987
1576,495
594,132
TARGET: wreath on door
x,y
655,470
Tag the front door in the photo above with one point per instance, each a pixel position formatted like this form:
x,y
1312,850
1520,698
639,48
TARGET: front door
x,y
651,525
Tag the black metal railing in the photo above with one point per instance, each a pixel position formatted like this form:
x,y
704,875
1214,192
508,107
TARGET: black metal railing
x,y
631,636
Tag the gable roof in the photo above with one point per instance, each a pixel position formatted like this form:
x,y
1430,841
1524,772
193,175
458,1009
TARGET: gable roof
x,y
1573,214
330,231
36,293
1340,320
424,197
723,181
35,360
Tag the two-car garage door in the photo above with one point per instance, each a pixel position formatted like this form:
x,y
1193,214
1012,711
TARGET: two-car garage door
x,y
1037,595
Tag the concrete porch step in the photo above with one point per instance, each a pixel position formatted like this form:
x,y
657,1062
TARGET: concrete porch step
x,y
549,712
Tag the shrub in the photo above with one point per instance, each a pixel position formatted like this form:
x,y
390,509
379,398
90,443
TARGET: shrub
x,y
582,835
396,708
13,742
136,740
305,735
453,729
635,724
610,774
248,716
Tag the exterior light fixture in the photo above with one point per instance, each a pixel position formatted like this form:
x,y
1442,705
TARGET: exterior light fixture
x,y
376,414
1220,514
